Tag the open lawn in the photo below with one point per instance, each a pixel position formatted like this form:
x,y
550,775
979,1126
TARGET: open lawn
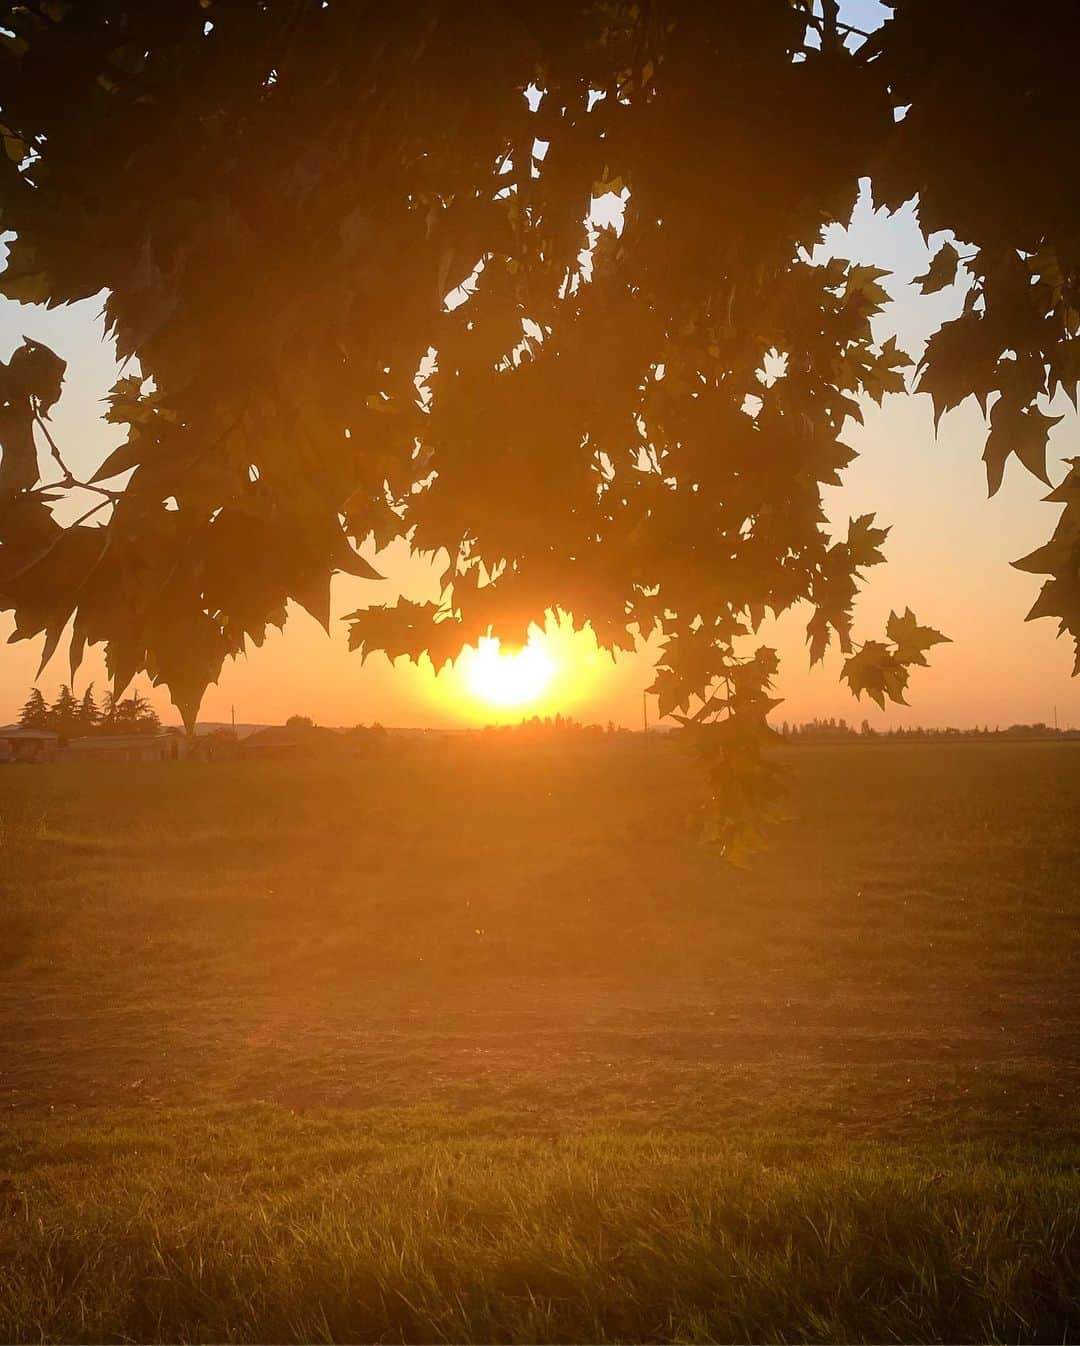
x,y
472,1043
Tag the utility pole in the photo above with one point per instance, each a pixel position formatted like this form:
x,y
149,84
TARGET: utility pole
x,y
644,712
232,711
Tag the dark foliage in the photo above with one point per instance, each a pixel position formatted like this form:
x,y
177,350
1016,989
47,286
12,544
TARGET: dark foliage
x,y
71,717
633,425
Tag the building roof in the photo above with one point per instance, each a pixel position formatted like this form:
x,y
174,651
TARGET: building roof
x,y
16,731
118,740
292,736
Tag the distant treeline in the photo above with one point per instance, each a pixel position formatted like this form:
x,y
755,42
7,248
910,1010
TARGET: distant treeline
x,y
831,731
75,717
549,726
813,731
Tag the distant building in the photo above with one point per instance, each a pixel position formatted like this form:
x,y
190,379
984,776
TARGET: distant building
x,y
291,740
125,748
27,745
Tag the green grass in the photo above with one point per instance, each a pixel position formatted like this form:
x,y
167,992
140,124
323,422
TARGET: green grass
x,y
257,1225
476,1046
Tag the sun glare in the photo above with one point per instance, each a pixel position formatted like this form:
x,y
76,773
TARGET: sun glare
x,y
508,678
556,670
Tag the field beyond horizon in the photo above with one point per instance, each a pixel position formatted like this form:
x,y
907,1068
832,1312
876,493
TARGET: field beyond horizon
x,y
470,1041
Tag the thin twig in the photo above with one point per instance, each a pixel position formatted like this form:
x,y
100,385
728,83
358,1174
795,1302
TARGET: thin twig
x,y
816,21
89,513
68,478
72,483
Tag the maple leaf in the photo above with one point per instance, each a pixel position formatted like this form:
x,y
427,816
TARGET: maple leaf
x,y
404,628
862,282
818,635
30,385
876,671
889,364
1065,368
671,692
1068,491
1061,555
864,541
1060,597
912,640
1020,430
25,279
960,361
942,271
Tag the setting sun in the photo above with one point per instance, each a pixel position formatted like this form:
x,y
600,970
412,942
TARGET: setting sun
x,y
508,678
569,789
557,670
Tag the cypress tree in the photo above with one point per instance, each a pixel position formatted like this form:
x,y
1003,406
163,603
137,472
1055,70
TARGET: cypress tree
x,y
35,714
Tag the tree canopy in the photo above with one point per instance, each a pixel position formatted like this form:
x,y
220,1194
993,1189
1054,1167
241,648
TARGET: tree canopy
x,y
354,252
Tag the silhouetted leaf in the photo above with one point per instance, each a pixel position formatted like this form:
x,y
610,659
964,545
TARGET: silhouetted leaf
x,y
1020,430
876,671
912,640
634,428
864,541
942,270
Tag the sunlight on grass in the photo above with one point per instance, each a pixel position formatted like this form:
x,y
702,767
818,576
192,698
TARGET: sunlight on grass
x,y
303,1050
258,1225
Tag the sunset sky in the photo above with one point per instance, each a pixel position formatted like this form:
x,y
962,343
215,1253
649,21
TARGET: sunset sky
x,y
948,553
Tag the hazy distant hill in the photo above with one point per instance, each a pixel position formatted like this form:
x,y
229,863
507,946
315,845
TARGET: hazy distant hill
x,y
243,730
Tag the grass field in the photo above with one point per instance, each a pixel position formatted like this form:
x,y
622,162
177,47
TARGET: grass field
x,y
473,1044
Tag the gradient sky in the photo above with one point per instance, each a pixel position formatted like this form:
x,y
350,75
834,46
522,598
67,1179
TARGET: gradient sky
x,y
948,556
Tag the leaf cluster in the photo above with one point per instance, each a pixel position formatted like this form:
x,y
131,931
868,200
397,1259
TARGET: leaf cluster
x,y
372,293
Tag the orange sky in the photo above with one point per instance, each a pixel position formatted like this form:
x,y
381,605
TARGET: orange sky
x,y
948,559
